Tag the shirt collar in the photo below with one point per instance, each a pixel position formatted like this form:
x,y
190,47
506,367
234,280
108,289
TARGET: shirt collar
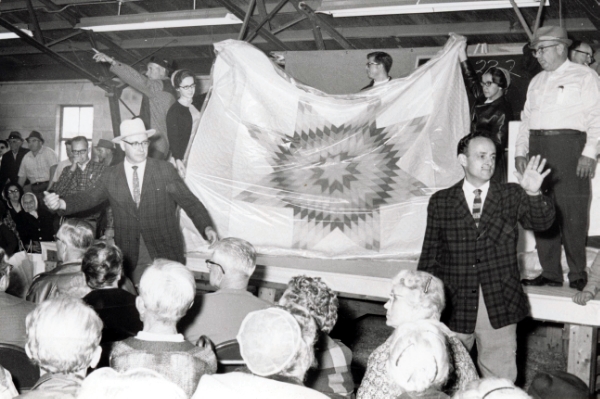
x,y
468,187
140,165
149,336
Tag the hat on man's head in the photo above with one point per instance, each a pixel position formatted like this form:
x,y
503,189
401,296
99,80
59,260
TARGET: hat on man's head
x,y
163,62
557,385
131,127
15,135
269,340
35,135
550,33
105,144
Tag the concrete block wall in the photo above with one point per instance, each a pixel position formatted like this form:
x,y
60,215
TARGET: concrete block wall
x,y
27,106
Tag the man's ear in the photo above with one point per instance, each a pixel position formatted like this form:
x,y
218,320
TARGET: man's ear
x,y
4,282
139,305
96,357
462,159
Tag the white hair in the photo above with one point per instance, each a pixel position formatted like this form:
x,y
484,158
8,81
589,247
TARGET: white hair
x,y
427,292
240,253
419,357
491,388
167,289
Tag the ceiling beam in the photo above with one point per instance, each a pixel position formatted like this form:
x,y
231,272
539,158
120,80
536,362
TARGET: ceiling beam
x,y
592,8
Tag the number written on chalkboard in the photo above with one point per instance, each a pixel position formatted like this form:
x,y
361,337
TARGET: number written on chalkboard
x,y
483,65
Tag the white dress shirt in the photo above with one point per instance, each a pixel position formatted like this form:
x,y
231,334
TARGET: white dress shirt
x,y
468,189
129,174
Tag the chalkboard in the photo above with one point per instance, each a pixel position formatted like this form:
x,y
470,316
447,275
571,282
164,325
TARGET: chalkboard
x,y
522,68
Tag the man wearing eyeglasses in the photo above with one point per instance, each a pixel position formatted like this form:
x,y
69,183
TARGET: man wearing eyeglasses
x,y
378,69
144,194
561,122
581,53
82,175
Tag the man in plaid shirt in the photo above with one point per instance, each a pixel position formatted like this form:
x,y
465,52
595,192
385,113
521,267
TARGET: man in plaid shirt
x,y
471,245
82,175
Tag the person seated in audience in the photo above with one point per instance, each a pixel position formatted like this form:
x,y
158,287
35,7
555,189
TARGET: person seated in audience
x,y
11,195
491,388
63,339
415,296
102,266
167,290
34,224
72,240
558,384
231,265
106,383
418,362
7,387
8,240
332,376
14,310
277,346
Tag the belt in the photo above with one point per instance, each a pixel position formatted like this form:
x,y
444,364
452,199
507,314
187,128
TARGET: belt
x,y
40,182
554,132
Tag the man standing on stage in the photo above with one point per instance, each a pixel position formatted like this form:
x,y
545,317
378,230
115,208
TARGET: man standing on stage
x,y
561,122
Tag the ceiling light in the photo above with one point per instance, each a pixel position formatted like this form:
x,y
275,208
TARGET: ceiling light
x,y
159,20
340,9
11,35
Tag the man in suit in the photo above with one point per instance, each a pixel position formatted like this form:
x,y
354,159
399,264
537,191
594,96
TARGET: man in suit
x,y
11,161
143,194
471,245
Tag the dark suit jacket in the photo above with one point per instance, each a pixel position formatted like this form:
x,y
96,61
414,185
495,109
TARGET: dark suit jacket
x,y
9,167
155,219
13,311
465,257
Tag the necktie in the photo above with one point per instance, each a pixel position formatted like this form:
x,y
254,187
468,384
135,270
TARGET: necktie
x,y
477,206
136,186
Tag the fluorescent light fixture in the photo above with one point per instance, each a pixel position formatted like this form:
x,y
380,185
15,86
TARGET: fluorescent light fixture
x,y
339,10
11,35
160,20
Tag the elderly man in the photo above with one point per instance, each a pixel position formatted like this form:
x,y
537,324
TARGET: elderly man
x,y
104,153
581,53
167,291
561,122
13,309
231,265
63,339
158,92
143,194
82,176
11,161
471,245
36,165
72,240
378,69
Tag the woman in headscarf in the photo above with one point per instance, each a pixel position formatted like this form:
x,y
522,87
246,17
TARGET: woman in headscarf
x,y
34,225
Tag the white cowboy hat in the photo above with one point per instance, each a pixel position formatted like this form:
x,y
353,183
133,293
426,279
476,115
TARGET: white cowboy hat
x,y
132,127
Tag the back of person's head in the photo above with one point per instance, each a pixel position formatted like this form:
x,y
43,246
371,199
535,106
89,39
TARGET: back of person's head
x,y
107,383
276,341
419,356
102,265
314,295
426,292
167,289
491,388
239,255
383,58
76,234
63,335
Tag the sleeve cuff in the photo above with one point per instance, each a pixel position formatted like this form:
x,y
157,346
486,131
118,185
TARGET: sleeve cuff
x,y
589,151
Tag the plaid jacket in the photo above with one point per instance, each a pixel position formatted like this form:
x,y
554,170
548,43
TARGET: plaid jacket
x,y
155,219
465,257
81,180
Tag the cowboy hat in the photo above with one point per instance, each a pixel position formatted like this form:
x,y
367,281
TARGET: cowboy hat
x,y
132,127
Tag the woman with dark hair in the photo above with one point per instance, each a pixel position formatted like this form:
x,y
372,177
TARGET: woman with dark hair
x,y
8,239
12,194
491,112
183,117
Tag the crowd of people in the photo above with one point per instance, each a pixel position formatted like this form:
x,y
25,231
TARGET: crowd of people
x,y
131,309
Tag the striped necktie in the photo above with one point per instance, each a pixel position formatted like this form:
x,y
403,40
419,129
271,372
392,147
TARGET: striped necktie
x,y
477,206
136,186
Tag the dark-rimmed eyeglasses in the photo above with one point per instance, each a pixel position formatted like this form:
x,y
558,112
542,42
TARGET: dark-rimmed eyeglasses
x,y
79,152
188,87
210,263
486,84
540,50
592,60
13,191
372,63
137,144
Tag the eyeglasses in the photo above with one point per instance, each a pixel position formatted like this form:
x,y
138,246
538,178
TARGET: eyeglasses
x,y
188,87
13,191
486,84
592,60
210,263
137,145
372,63
540,50
79,152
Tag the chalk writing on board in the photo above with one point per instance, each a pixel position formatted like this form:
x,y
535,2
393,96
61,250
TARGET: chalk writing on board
x,y
482,66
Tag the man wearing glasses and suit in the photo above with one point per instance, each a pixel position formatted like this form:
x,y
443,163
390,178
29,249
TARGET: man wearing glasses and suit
x,y
143,194
561,122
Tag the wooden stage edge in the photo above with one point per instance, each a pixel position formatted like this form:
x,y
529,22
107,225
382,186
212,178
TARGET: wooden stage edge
x,y
371,280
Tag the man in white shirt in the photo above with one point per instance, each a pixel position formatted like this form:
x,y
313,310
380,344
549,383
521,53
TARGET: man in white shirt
x,y
581,53
561,122
378,69
36,165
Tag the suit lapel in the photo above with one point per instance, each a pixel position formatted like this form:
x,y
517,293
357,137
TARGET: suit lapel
x,y
461,206
126,193
490,206
149,184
